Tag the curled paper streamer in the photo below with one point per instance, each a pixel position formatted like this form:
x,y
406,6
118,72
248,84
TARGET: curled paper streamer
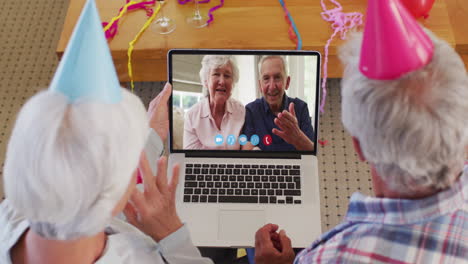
x,y
110,29
183,2
292,31
112,24
210,12
132,44
341,23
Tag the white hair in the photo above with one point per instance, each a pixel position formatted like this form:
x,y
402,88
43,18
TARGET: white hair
x,y
267,57
68,165
412,129
210,62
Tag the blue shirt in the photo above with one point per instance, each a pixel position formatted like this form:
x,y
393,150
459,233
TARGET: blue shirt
x,y
259,120
384,230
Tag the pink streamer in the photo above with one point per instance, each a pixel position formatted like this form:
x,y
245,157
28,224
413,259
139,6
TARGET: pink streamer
x,y
341,23
183,2
110,33
210,12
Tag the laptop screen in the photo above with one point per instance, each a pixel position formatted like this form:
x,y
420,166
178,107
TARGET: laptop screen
x,y
238,100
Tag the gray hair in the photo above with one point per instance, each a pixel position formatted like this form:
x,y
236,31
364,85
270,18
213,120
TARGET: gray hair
x,y
68,165
413,129
210,62
264,58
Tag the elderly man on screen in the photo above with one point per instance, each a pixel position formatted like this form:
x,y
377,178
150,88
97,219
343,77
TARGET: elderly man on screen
x,y
286,120
71,168
408,121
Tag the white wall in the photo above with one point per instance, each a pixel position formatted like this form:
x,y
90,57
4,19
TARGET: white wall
x,y
246,87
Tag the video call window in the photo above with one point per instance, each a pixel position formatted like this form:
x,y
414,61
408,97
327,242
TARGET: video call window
x,y
230,102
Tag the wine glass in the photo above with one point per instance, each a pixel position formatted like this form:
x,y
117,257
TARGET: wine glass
x,y
163,25
197,20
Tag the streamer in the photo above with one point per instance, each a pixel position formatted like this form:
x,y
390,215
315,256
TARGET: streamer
x,y
292,31
132,44
110,29
341,23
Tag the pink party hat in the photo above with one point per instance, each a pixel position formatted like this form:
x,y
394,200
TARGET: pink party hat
x,y
394,43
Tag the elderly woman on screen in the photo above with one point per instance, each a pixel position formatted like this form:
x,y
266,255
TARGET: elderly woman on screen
x,y
70,169
216,121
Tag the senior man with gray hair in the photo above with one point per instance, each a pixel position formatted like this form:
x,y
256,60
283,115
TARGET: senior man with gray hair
x,y
286,120
412,130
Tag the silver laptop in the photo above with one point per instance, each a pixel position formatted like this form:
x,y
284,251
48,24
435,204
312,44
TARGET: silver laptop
x,y
236,173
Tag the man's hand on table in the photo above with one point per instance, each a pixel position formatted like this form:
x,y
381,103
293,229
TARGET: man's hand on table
x,y
272,247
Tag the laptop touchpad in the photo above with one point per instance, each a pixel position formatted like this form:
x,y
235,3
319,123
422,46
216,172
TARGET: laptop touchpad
x,y
237,225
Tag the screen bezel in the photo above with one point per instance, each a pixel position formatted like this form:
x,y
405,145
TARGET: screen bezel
x,y
244,153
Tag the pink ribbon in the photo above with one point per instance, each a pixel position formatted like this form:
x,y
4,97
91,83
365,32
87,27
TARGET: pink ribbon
x,y
183,2
110,33
341,23
210,12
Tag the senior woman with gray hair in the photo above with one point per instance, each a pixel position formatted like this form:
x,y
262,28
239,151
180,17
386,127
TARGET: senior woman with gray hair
x,y
216,121
71,168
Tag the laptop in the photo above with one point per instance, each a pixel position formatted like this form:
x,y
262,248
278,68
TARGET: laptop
x,y
233,178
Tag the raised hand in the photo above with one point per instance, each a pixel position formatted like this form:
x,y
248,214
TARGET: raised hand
x,y
290,130
154,210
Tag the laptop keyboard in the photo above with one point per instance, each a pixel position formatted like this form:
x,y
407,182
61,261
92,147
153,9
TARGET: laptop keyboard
x,y
240,183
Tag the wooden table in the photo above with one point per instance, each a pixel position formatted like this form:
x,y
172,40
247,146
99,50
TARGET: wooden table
x,y
458,10
241,24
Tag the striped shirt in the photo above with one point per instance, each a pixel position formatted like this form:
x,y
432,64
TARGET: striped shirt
x,y
383,230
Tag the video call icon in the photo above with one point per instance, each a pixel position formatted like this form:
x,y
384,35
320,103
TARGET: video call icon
x,y
231,140
267,140
255,139
219,139
242,140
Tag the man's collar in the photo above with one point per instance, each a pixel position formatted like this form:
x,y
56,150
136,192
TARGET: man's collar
x,y
286,101
266,106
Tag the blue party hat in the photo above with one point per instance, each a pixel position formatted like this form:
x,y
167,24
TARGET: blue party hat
x,y
86,71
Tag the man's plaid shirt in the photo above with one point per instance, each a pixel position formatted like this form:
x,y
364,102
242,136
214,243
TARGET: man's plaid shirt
x,y
382,230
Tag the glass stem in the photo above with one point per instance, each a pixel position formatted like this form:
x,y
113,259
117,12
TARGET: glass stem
x,y
197,10
162,10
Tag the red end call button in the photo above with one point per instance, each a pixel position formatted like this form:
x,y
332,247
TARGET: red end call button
x,y
267,140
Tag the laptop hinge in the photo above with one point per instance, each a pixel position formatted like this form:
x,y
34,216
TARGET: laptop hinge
x,y
250,154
